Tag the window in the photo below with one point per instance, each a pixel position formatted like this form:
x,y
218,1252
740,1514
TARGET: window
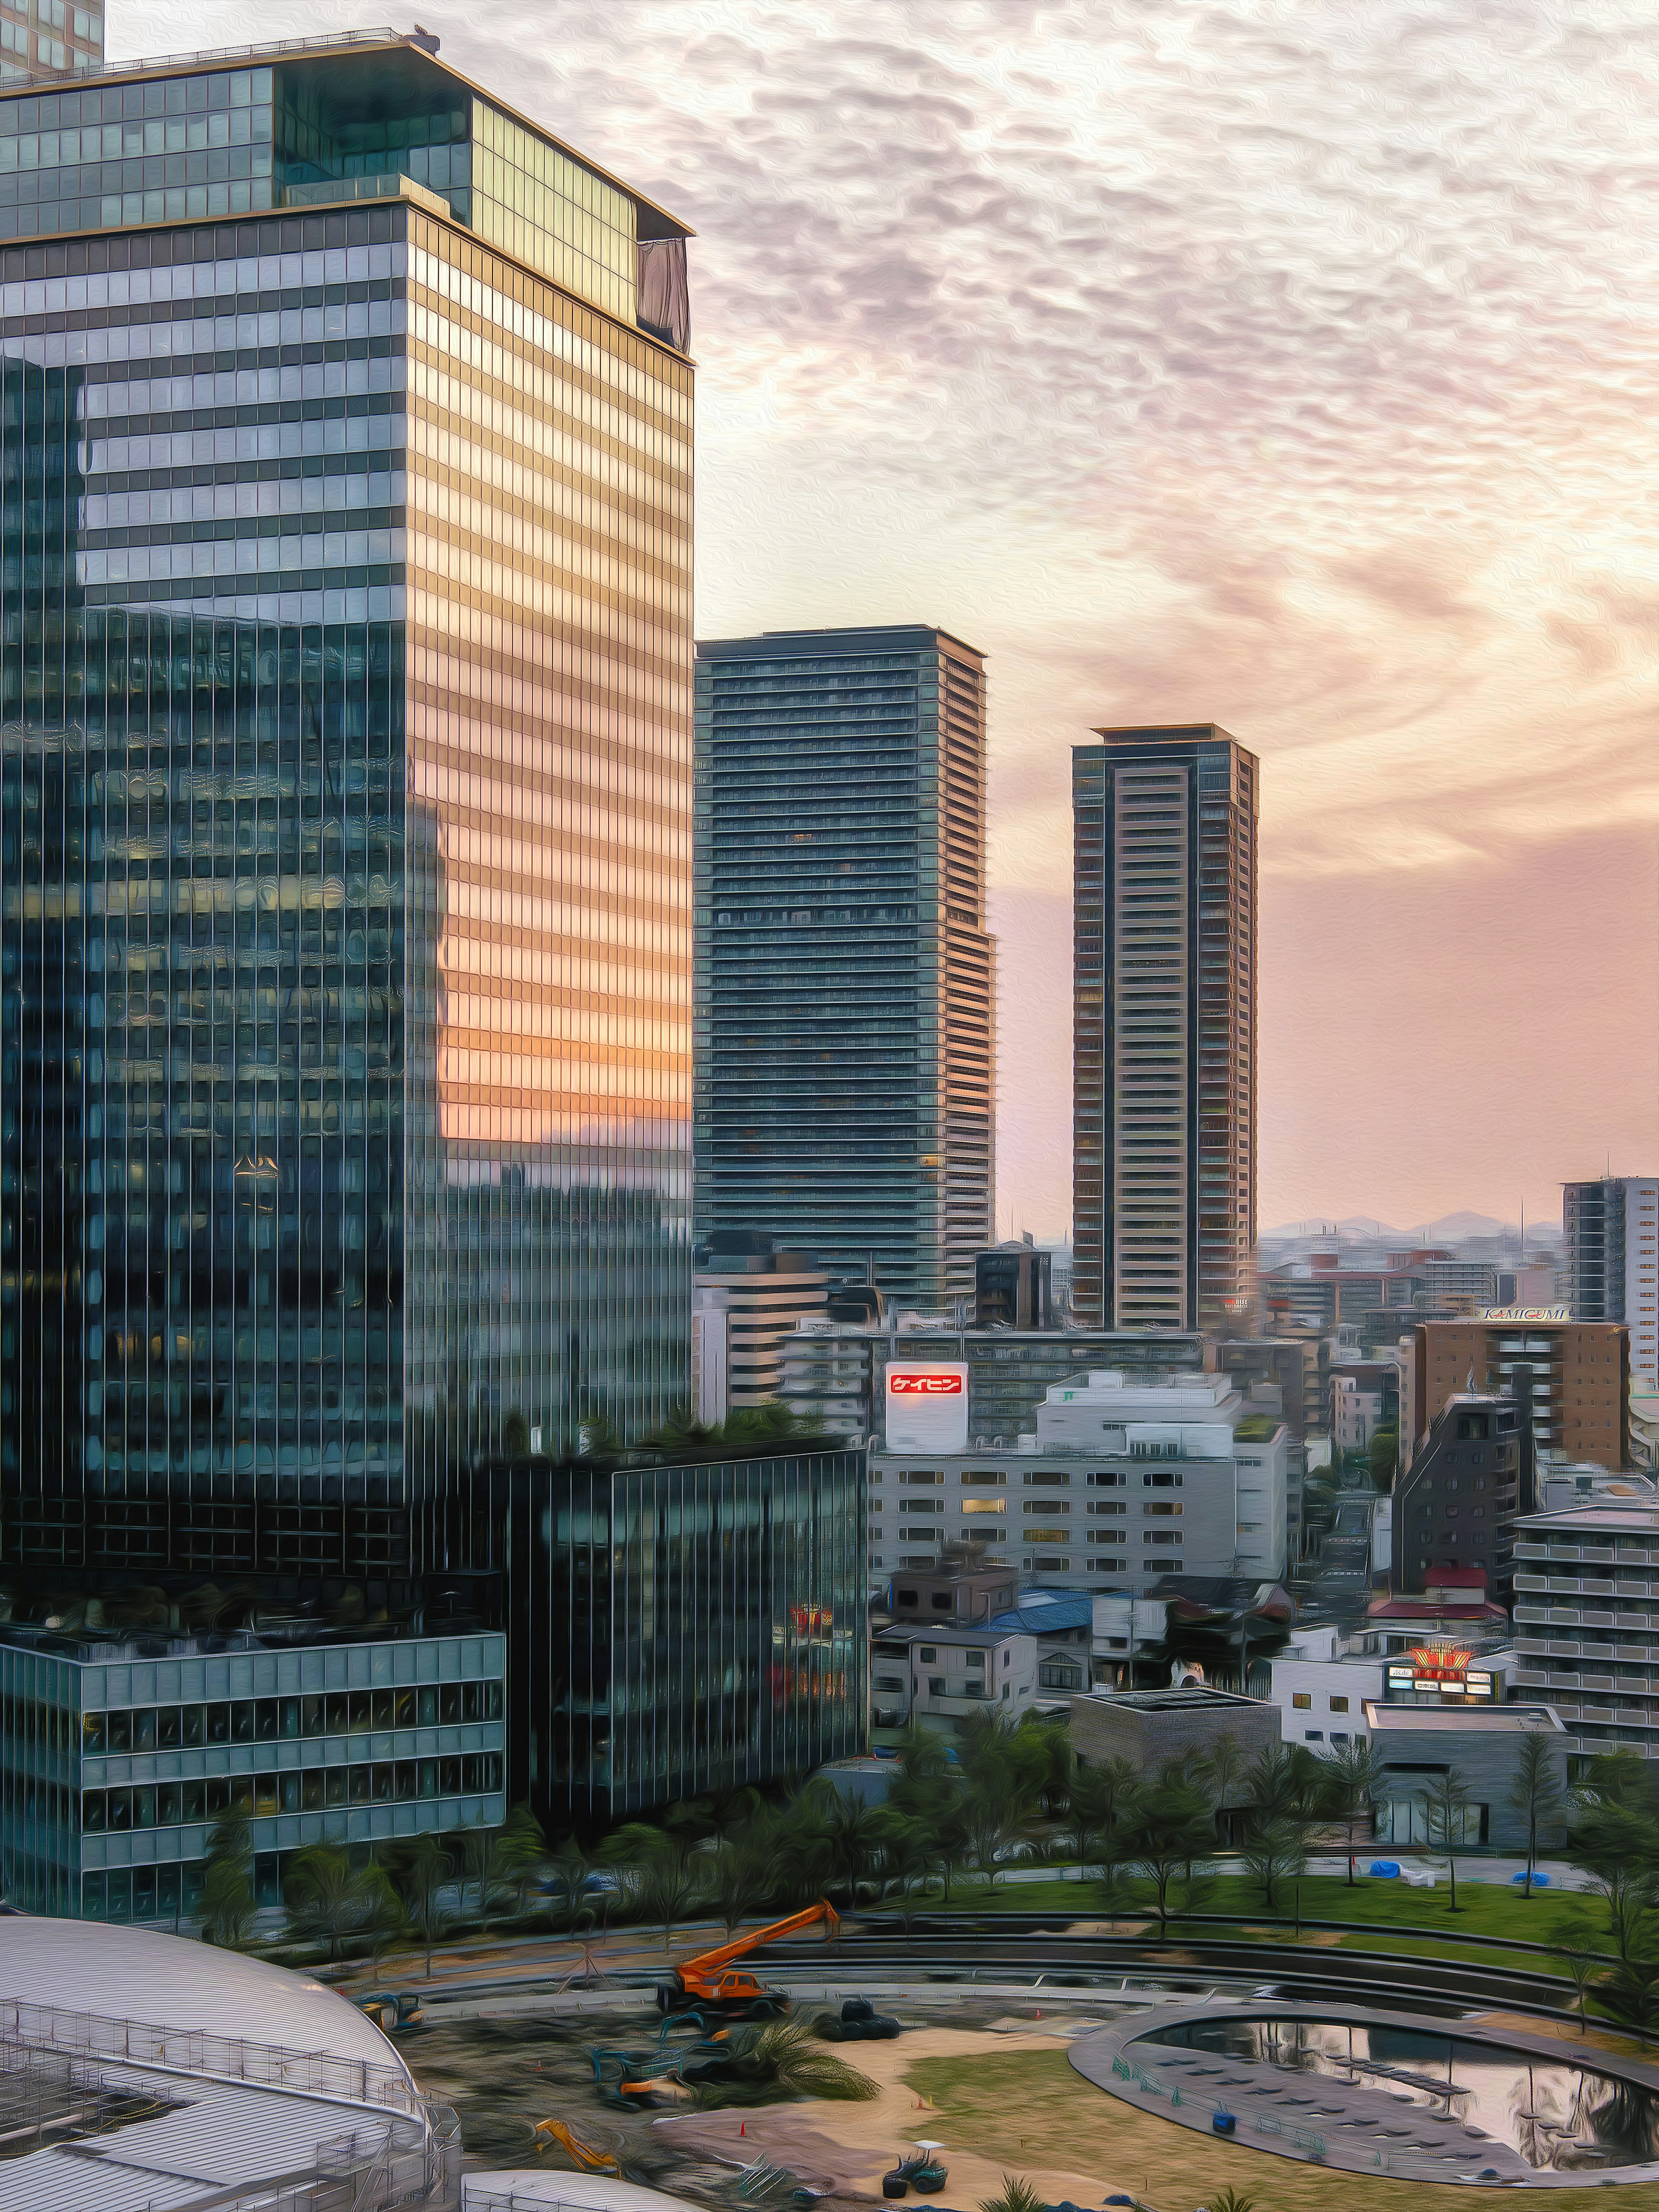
x,y
940,1597
1166,1510
1302,1700
904,1597
936,1686
1338,1705
889,1681
975,1659
928,1655
1313,1735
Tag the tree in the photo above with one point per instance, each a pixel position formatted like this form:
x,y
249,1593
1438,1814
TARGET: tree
x,y
1167,1827
1221,1766
518,1856
228,1904
328,1899
1383,1458
1583,1973
1537,1791
907,1857
1348,1786
738,1879
385,1920
1283,1783
1445,1804
1275,1851
665,1893
421,1869
477,1844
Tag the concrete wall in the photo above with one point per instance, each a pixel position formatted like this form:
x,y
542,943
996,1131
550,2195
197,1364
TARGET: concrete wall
x,y
1486,1760
1150,1738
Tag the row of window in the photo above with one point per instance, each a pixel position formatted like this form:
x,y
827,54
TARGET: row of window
x,y
273,1720
1044,1478
315,1789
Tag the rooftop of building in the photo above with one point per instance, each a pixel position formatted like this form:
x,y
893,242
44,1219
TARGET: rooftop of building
x,y
1038,1613
403,64
1195,1697
1452,1720
819,644
1421,1609
227,2079
1586,1519
945,1631
107,1625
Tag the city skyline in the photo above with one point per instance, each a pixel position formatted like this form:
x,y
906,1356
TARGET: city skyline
x,y
1212,403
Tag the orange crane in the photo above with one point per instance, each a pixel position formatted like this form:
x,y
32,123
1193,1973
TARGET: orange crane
x,y
707,1982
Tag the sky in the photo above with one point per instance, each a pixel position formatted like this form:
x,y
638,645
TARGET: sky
x,y
1283,364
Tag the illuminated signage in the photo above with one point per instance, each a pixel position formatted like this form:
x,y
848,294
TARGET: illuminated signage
x,y
1441,1666
927,1405
1526,1313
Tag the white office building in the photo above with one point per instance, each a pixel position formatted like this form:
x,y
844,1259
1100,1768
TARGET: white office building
x,y
1123,1482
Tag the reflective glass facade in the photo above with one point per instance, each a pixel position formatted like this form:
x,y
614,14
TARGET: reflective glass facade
x,y
48,38
845,983
681,1629
344,782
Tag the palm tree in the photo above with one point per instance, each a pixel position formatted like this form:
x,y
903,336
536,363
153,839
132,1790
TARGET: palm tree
x,y
665,1893
739,1881
854,1831
328,1898
518,1857
1584,1974
421,1870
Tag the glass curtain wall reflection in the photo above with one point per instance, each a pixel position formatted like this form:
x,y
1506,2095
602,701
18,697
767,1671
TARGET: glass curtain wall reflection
x,y
344,757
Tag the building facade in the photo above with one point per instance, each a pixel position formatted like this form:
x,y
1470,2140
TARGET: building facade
x,y
1414,1748
1580,1386
745,1304
1013,1287
1122,1485
845,988
53,39
345,689
118,1753
1586,1622
1456,1506
1163,1029
1612,1230
680,1628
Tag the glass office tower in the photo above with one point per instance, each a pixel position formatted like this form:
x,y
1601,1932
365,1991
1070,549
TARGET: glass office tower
x,y
846,1096
345,676
46,39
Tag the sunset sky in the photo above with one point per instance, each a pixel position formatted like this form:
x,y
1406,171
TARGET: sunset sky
x,y
1287,365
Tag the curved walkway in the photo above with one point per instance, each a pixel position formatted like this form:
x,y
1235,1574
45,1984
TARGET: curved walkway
x,y
1354,2128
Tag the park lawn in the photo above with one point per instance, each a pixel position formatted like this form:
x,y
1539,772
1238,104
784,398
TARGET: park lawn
x,y
1016,2106
1483,1908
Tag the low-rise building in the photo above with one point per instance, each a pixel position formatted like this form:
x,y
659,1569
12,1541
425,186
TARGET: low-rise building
x,y
1156,1729
940,1674
1415,1747
119,1749
1586,1622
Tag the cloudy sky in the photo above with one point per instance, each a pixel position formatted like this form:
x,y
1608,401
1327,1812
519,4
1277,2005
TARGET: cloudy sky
x,y
1281,363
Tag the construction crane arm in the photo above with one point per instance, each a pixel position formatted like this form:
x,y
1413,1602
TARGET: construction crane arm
x,y
706,1962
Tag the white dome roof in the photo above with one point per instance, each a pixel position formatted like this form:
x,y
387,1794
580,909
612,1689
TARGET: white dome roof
x,y
172,1981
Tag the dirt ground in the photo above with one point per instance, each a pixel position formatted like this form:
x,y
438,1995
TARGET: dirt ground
x,y
994,2087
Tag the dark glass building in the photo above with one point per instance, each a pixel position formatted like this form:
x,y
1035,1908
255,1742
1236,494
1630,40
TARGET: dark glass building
x,y
845,1097
345,691
678,1629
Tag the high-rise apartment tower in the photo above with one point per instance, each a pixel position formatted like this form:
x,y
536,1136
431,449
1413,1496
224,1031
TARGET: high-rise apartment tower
x,y
1613,1260
1163,1028
844,1090
345,736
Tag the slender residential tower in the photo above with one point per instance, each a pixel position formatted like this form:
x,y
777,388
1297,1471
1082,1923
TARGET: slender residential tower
x,y
345,735
845,1094
1163,1026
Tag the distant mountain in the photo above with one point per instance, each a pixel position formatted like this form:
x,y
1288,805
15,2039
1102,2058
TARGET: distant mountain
x,y
1449,1228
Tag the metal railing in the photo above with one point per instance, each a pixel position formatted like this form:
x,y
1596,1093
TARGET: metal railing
x,y
221,2057
159,64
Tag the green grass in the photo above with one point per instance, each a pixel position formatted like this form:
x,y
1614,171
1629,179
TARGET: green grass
x,y
1483,1908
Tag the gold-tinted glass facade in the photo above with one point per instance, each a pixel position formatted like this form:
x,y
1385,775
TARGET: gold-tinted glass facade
x,y
548,733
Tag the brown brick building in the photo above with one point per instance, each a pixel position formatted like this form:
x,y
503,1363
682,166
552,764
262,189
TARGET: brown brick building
x,y
1580,1379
